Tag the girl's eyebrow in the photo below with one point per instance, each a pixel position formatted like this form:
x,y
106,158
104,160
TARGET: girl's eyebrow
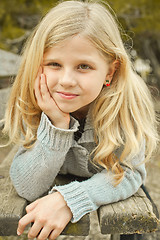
x,y
87,61
49,60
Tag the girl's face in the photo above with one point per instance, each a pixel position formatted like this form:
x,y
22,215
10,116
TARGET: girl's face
x,y
75,72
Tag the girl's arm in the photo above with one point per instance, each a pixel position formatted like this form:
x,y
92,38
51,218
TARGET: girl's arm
x,y
87,196
34,170
51,213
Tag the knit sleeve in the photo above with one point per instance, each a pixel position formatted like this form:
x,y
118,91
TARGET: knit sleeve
x,y
34,170
89,195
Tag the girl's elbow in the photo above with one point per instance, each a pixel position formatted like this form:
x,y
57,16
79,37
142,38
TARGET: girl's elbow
x,y
21,188
138,181
23,193
142,174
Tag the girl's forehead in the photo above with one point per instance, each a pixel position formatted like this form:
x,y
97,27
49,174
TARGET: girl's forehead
x,y
79,43
77,37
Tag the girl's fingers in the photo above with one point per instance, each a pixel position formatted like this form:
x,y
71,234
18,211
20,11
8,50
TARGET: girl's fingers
x,y
37,89
45,232
40,71
35,230
41,91
24,221
31,206
43,86
54,234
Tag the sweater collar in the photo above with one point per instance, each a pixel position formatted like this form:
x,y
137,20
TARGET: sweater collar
x,y
88,134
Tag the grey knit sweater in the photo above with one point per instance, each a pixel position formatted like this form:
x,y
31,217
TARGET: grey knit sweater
x,y
34,170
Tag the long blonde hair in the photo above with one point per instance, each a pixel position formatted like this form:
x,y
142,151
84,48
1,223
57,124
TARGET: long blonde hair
x,y
123,113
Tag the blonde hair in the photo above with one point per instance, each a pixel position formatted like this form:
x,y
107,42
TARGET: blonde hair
x,y
123,113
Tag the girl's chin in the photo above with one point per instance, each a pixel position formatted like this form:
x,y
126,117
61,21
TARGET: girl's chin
x,y
82,111
65,109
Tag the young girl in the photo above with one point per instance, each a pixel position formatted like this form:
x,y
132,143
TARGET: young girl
x,y
76,104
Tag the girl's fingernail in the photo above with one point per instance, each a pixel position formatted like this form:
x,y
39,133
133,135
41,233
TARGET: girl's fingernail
x,y
18,233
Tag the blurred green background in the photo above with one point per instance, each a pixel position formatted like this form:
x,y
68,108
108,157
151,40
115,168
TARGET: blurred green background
x,y
140,20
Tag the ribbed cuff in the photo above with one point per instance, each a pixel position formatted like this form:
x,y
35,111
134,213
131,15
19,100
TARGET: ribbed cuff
x,y
55,138
77,199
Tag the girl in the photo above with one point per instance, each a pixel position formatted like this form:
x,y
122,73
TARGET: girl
x,y
77,103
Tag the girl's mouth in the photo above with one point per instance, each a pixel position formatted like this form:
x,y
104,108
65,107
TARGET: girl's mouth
x,y
67,95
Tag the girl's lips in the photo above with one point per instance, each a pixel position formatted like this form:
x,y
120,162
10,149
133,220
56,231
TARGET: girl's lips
x,y
67,95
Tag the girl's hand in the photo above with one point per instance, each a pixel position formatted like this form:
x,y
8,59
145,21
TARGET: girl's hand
x,y
49,216
48,105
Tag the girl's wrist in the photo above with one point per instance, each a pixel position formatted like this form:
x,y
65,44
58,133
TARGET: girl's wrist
x,y
55,138
61,125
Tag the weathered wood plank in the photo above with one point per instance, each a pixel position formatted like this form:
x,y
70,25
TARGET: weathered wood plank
x,y
133,215
82,227
4,96
9,63
12,207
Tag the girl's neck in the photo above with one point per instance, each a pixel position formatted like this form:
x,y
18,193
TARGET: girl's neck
x,y
81,113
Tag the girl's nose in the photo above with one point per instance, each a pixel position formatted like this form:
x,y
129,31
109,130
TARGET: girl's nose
x,y
67,79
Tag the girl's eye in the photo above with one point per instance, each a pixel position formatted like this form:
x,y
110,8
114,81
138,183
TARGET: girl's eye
x,y
84,67
53,64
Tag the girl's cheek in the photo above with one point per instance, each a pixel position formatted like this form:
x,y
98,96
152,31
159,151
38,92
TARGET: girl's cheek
x,y
51,77
51,81
46,71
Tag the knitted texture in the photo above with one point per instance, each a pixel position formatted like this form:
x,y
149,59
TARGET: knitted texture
x,y
33,171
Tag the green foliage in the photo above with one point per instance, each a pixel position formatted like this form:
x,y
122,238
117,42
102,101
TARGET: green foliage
x,y
139,15
10,29
10,13
135,15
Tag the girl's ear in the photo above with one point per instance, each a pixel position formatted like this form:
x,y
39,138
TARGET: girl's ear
x,y
112,69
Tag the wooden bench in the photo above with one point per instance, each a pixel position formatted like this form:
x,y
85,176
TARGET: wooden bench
x,y
133,215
